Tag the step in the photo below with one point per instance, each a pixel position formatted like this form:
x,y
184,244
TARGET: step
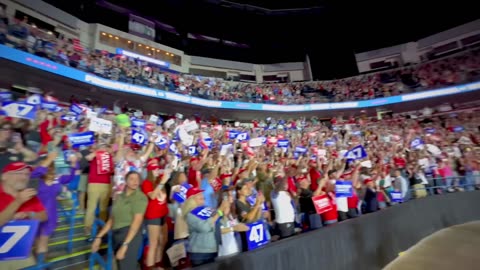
x,y
80,253
62,232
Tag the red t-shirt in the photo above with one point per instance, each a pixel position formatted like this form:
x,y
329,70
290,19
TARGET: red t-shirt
x,y
193,175
32,205
155,208
353,201
399,162
94,177
292,187
314,177
44,135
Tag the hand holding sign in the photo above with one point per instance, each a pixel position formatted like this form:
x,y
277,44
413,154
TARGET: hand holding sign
x,y
16,239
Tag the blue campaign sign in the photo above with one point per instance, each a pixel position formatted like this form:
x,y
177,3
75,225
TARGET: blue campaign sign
x,y
430,130
192,150
69,118
343,189
51,106
16,239
243,137
232,134
181,195
5,96
256,236
301,149
283,143
20,110
173,148
82,139
458,129
139,137
356,153
417,143
161,142
140,123
76,109
35,99
396,197
329,142
203,212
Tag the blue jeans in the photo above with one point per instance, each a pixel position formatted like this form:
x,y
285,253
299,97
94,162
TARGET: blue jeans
x,y
468,181
201,258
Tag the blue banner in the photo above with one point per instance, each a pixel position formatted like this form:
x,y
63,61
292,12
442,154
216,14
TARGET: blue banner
x,y
192,151
34,99
69,118
76,109
283,143
458,129
396,197
430,130
343,189
139,137
78,75
232,134
181,196
82,139
300,149
256,235
20,110
329,142
17,239
356,153
203,212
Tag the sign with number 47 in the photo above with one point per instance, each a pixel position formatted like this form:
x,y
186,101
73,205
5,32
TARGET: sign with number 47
x,y
16,239
256,236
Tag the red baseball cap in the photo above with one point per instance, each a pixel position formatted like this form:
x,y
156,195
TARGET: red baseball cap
x,y
16,166
152,164
193,191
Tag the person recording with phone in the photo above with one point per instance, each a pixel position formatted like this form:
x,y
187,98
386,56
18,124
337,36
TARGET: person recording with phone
x,y
19,201
12,148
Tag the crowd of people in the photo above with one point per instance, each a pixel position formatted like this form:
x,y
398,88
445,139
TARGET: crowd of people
x,y
460,68
219,189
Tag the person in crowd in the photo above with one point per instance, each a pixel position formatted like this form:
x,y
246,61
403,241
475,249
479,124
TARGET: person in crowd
x,y
210,184
19,202
12,147
204,232
283,205
99,184
50,186
157,210
400,184
125,222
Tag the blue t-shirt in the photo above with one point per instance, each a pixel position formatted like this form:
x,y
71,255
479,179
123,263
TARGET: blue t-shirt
x,y
211,199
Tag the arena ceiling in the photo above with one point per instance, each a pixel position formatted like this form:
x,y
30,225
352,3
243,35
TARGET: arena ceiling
x,y
329,31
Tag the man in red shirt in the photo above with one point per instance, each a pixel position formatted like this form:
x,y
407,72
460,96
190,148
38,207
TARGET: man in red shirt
x,y
99,184
18,202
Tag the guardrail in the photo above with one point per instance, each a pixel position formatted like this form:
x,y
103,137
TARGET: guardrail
x,y
95,257
59,69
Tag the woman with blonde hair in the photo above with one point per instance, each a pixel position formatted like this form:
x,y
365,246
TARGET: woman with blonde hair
x,y
204,231
157,210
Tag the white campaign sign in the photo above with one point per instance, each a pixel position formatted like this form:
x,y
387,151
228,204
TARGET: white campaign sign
x,y
153,118
91,114
169,123
255,142
100,125
190,126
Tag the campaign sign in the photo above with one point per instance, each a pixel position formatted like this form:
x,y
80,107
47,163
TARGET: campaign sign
x,y
322,204
396,197
458,129
161,142
181,195
140,123
243,137
232,134
283,143
430,130
139,137
173,148
16,239
19,110
69,118
329,143
5,96
343,189
76,109
35,99
82,139
356,153
301,149
203,212
417,143
50,106
256,236
192,151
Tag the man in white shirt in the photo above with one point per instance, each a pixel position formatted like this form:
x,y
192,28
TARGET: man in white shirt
x,y
284,209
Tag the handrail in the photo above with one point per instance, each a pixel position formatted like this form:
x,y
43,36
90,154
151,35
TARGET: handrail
x,y
95,257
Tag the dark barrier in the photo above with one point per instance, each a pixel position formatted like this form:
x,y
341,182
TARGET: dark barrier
x,y
368,242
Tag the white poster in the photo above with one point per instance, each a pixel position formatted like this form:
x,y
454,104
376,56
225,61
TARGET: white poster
x,y
100,125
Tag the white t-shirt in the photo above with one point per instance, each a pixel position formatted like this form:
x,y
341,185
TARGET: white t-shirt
x,y
282,204
229,244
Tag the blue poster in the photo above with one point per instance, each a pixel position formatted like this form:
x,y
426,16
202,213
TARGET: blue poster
x,y
343,189
232,134
257,235
241,137
17,238
283,143
192,151
203,212
140,123
35,99
181,196
161,142
51,106
396,197
5,96
301,149
139,137
329,142
356,153
417,143
82,139
20,110
76,109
